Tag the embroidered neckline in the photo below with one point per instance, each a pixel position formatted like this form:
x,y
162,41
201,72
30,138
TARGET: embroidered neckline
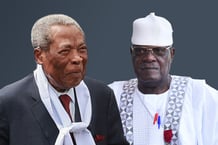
x,y
177,87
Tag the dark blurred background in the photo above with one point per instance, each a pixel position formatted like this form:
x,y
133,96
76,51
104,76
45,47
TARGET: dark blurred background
x,y
108,26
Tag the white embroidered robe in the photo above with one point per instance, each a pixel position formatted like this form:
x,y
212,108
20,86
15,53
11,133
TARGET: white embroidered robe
x,y
199,118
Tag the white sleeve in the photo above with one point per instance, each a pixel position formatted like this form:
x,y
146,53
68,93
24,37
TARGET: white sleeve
x,y
209,126
117,87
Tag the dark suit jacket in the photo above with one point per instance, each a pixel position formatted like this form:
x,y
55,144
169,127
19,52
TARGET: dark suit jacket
x,y
24,119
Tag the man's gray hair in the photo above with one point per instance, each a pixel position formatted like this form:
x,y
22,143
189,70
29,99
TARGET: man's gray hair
x,y
40,34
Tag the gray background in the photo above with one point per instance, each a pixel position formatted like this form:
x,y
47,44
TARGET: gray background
x,y
108,25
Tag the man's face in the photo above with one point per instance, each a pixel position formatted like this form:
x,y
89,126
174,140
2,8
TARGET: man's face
x,y
64,63
151,63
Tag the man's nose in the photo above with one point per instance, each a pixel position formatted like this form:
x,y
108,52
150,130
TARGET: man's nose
x,y
76,58
149,55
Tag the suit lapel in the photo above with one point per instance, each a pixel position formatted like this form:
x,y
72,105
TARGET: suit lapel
x,y
45,121
42,116
91,86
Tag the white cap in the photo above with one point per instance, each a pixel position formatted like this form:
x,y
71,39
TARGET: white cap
x,y
152,30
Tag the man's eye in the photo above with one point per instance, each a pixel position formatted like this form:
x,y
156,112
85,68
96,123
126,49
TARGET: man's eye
x,y
65,51
158,49
83,49
138,50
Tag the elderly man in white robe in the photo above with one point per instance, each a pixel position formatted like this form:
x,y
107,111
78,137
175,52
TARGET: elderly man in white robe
x,y
158,108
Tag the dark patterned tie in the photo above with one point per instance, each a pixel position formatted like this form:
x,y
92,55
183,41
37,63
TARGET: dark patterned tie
x,y
65,100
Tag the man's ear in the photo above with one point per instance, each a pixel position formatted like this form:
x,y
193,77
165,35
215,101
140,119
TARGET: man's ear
x,y
130,50
172,52
39,55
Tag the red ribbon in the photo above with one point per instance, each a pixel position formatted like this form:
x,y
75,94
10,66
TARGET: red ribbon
x,y
155,118
168,134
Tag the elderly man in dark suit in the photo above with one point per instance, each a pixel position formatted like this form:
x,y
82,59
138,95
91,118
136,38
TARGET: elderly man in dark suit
x,y
57,104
